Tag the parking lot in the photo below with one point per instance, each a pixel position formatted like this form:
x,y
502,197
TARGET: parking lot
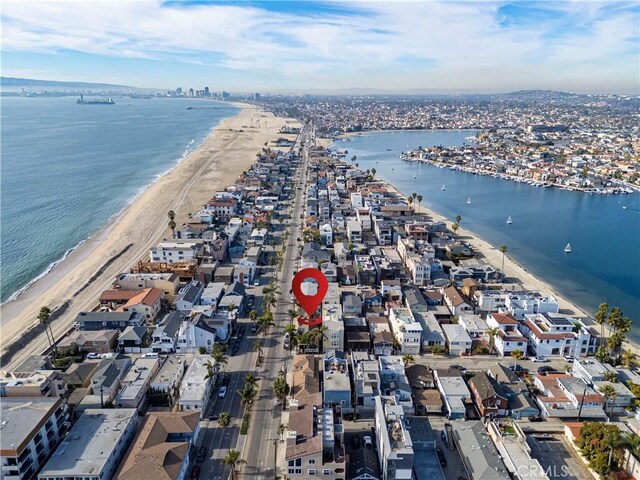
x,y
557,459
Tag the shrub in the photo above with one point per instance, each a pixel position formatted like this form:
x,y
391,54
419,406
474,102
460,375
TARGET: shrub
x,y
244,428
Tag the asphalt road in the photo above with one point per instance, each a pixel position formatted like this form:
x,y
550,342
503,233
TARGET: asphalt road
x,y
265,414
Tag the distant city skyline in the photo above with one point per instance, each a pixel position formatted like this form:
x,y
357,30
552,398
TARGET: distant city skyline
x,y
396,47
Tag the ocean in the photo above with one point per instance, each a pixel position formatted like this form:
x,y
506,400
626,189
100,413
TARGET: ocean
x,y
67,169
604,265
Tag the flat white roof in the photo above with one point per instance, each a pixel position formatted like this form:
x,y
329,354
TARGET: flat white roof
x,y
194,384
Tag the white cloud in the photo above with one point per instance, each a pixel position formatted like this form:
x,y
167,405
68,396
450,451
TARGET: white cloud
x,y
440,40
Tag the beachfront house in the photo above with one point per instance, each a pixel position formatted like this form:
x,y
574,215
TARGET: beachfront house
x,y
177,250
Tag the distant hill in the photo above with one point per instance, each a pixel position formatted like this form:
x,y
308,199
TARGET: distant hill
x,y
12,83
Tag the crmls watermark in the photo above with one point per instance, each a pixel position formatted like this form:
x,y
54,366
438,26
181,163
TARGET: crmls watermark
x,y
535,471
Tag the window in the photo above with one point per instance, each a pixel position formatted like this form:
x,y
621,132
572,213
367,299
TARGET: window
x,y
295,471
312,471
326,471
312,461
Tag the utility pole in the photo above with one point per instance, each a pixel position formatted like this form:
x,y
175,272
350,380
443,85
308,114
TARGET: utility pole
x,y
581,403
275,457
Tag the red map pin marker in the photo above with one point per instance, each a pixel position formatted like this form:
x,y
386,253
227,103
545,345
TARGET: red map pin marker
x,y
310,303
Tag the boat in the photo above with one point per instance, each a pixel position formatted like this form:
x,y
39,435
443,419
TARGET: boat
x,y
469,200
567,249
415,176
442,188
82,101
624,207
509,221
388,149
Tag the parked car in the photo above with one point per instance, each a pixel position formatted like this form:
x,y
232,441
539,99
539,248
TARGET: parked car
x,y
517,368
545,369
569,358
222,392
441,458
457,367
195,472
256,283
539,359
368,442
535,418
93,355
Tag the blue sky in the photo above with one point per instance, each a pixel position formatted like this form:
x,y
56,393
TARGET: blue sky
x,y
481,46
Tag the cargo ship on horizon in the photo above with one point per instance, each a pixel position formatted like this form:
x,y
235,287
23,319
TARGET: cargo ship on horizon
x,y
82,101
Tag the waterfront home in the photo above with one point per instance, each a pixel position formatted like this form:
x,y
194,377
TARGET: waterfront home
x,y
555,335
488,395
163,445
393,440
458,341
108,320
454,392
623,399
223,208
518,305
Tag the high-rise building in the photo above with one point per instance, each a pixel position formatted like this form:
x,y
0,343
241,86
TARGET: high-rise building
x,y
206,92
225,95
179,90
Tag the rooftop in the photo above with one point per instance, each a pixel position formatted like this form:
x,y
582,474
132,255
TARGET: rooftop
x,y
21,419
89,444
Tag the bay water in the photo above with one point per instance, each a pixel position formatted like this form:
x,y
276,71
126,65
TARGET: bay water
x,y
604,265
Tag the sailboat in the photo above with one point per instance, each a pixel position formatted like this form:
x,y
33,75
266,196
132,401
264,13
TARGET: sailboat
x,y
624,207
415,176
509,221
567,249
469,200
443,189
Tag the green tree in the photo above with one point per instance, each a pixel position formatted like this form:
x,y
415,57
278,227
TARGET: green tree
x,y
503,249
601,318
265,322
251,379
281,390
233,460
292,330
419,199
253,316
602,354
218,352
408,360
224,419
414,195
410,200
610,394
211,370
43,318
517,356
458,219
628,358
247,395
257,346
603,446
281,429
455,227
610,377
373,172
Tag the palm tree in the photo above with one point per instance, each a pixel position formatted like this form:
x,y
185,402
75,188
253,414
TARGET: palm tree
x,y
43,317
458,219
281,389
410,200
272,288
250,379
373,172
253,316
233,460
517,355
419,199
218,354
269,301
283,428
257,346
211,370
353,159
318,335
264,322
172,226
293,313
408,359
224,420
171,214
503,249
602,317
247,395
628,358
414,195
455,227
609,392
492,333
292,330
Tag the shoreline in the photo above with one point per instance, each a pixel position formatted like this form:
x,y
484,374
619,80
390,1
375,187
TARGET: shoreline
x,y
227,150
513,269
189,149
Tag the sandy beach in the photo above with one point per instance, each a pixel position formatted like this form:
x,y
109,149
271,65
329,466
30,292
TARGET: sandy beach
x,y
228,150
